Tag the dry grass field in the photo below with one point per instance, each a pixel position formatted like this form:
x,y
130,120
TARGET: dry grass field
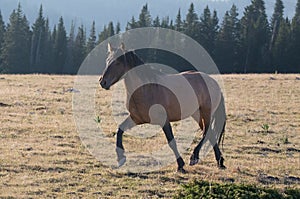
x,y
41,154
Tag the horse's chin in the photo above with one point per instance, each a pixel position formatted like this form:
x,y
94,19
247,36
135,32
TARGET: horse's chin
x,y
105,87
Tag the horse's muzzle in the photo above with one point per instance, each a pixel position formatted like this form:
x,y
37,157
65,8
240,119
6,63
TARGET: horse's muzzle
x,y
104,84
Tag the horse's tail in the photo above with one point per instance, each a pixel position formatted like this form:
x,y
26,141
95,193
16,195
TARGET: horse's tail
x,y
219,119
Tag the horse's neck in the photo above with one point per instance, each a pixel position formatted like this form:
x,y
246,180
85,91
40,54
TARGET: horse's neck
x,y
132,82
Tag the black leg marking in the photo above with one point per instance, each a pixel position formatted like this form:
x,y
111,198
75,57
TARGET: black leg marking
x,y
172,143
126,125
219,158
218,154
195,156
120,149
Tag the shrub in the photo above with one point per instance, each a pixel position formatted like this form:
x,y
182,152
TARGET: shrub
x,y
204,189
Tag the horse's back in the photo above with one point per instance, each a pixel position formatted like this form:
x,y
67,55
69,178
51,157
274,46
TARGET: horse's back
x,y
194,90
181,95
205,87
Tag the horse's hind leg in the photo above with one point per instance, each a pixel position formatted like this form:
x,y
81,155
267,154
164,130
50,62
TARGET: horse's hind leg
x,y
172,143
197,117
219,157
203,122
126,125
218,154
195,156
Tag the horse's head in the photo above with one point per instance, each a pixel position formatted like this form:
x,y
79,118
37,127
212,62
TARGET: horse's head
x,y
116,66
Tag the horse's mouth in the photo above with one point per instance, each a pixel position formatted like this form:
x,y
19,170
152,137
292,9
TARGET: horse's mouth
x,y
105,84
105,87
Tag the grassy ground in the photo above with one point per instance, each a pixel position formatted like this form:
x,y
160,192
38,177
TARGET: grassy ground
x,y
41,154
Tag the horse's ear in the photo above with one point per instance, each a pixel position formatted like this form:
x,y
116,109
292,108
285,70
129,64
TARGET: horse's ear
x,y
122,47
109,48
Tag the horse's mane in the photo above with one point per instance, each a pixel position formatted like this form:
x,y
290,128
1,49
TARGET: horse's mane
x,y
133,60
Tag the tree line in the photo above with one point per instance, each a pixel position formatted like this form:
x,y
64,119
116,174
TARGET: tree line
x,y
247,44
37,49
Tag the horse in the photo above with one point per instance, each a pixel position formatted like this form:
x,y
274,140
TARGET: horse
x,y
209,113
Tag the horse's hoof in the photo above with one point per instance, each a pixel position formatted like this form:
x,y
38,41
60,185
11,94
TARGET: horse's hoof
x,y
193,162
181,170
221,166
122,161
221,163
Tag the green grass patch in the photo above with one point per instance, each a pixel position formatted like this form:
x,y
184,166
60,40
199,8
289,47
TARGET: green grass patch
x,y
204,189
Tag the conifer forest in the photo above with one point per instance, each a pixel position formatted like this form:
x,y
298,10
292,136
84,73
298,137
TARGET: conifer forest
x,y
241,41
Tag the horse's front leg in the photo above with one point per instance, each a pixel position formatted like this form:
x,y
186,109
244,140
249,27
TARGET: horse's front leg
x,y
126,125
172,143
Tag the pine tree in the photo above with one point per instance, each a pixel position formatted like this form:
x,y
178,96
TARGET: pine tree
x,y
91,43
60,47
49,49
214,28
2,33
16,47
132,24
107,32
144,17
79,49
103,35
156,22
165,22
208,30
53,39
178,22
281,48
228,43
69,64
118,28
276,19
171,26
275,25
110,29
53,35
191,24
295,39
38,43
256,37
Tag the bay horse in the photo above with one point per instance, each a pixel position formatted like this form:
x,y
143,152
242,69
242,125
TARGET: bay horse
x,y
209,112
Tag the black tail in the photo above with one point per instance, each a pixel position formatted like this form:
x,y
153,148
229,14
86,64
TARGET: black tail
x,y
219,120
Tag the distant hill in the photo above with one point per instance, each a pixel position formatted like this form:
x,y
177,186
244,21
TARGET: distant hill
x,y
103,11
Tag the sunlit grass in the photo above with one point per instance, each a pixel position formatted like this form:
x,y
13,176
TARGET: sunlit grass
x,y
42,154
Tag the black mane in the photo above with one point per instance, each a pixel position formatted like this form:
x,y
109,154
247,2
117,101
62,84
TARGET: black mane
x,y
132,60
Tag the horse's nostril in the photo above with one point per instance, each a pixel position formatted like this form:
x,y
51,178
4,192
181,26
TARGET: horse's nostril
x,y
100,79
103,83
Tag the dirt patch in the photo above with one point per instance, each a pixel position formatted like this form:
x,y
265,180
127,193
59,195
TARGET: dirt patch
x,y
4,105
266,179
291,180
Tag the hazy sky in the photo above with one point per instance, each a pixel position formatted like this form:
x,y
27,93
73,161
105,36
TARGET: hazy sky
x,y
103,11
